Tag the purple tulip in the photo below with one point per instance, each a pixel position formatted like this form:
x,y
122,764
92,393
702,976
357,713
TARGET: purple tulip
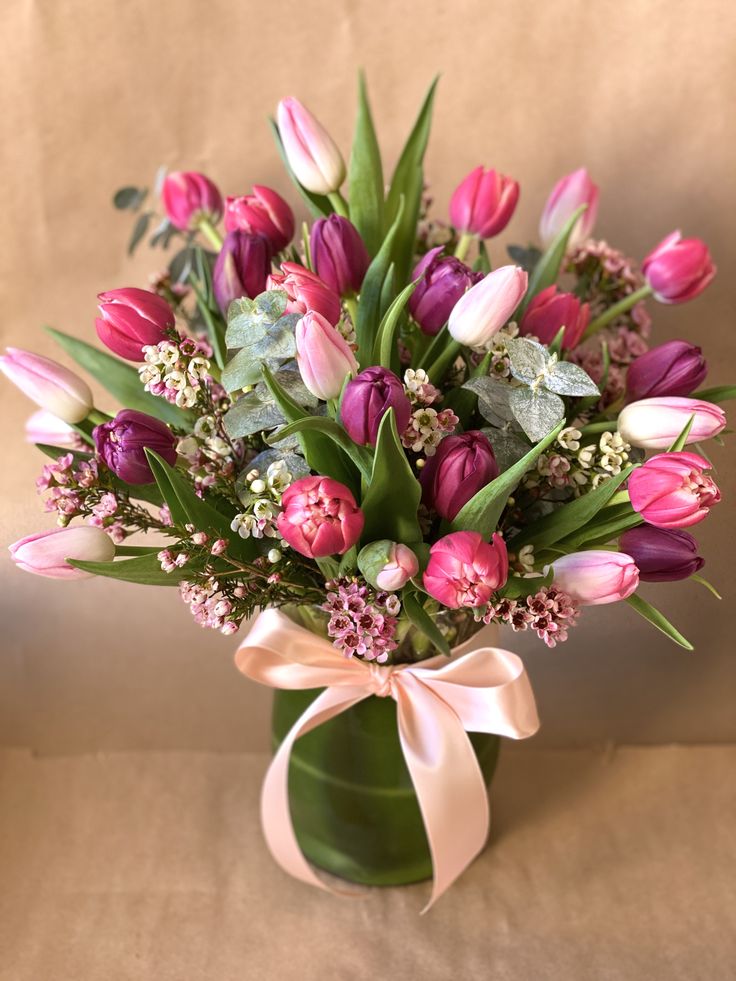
x,y
442,281
339,256
662,554
674,368
242,268
122,444
461,466
367,397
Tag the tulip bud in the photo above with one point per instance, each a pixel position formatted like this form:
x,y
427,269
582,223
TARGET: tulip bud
x,y
306,292
387,565
465,570
312,154
132,318
483,203
566,197
662,554
461,466
46,552
595,577
48,384
264,212
339,256
319,517
189,197
323,355
46,428
122,444
485,308
678,269
241,269
367,398
654,424
550,310
673,368
442,281
672,490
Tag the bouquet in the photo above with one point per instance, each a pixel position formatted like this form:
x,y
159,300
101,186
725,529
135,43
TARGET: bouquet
x,y
365,424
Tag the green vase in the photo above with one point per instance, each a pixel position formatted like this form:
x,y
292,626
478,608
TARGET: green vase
x,y
354,809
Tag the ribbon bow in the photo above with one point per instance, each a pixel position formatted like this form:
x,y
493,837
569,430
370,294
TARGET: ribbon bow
x,y
438,702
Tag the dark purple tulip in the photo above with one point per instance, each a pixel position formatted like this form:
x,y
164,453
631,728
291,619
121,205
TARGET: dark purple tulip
x,y
367,397
674,368
460,467
339,256
662,554
122,443
443,281
242,268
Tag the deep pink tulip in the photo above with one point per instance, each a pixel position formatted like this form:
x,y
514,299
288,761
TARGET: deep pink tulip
x,y
567,195
48,384
339,255
678,269
672,368
672,490
443,279
367,398
323,355
130,319
122,443
596,577
188,197
550,310
46,552
242,268
319,517
662,554
483,203
312,154
481,312
654,424
461,466
465,570
306,292
264,212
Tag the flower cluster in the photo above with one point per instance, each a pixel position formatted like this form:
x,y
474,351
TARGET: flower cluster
x,y
176,371
427,428
262,497
550,613
362,622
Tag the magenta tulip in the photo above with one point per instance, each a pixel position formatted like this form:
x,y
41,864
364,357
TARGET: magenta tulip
x,y
442,280
483,203
242,268
323,355
122,444
549,311
567,196
367,398
312,154
678,269
654,424
461,466
596,577
339,256
130,319
48,384
662,554
464,570
672,490
673,368
264,212
46,552
306,292
319,517
189,197
479,315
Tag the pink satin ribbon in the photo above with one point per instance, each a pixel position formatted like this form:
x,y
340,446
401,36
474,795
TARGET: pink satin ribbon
x,y
438,702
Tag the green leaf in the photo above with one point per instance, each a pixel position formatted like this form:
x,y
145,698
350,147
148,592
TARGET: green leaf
x,y
679,443
483,262
369,306
212,320
318,204
365,176
385,346
600,533
129,198
143,569
658,620
721,393
388,290
139,230
348,562
334,431
547,269
391,501
424,623
180,492
708,585
518,586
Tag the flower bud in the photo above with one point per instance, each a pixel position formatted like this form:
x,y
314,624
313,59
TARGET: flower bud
x,y
464,570
306,292
479,315
312,154
442,281
132,318
264,212
672,490
189,197
241,269
550,310
46,552
662,554
388,565
595,577
654,424
367,397
323,355
461,466
48,384
678,269
122,444
673,368
567,195
339,256
46,428
483,203
319,517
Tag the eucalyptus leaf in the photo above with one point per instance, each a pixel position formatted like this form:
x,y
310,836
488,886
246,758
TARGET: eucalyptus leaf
x,y
250,414
529,359
537,412
527,257
566,378
139,230
494,399
508,447
129,198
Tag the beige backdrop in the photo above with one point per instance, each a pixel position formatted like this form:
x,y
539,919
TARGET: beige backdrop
x,y
98,94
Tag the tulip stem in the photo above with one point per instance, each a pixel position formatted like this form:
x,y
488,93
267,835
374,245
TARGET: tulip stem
x,y
352,307
607,426
461,249
210,233
96,417
616,310
339,203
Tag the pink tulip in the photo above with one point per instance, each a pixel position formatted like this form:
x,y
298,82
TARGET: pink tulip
x,y
465,570
654,424
319,517
323,355
671,490
46,428
188,197
481,312
678,269
46,552
132,318
550,310
401,566
48,384
483,203
264,212
567,195
596,577
306,292
312,154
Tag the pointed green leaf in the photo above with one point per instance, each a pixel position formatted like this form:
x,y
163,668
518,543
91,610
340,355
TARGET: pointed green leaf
x,y
721,393
679,443
143,569
547,269
365,176
391,501
518,586
370,294
658,620
334,431
318,204
412,605
385,345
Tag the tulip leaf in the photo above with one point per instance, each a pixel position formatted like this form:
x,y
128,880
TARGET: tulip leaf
x,y
143,569
721,393
391,501
658,620
679,443
365,176
601,533
318,204
517,587
384,349
547,269
334,431
412,605
369,307
388,290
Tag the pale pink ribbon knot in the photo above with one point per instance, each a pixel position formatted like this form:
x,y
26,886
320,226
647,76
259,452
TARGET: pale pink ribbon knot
x,y
438,702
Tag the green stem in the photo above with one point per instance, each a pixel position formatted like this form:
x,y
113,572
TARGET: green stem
x,y
210,233
96,417
339,203
306,246
608,426
461,249
616,310
352,305
620,497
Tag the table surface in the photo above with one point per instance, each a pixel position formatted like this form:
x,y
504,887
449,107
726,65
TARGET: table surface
x,y
607,864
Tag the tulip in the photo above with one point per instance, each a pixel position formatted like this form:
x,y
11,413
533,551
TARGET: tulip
x,y
550,310
654,424
122,444
483,203
442,281
46,428
323,355
672,490
461,466
662,554
567,195
367,398
388,565
339,256
312,154
46,552
319,517
465,570
188,198
678,269
485,308
264,212
242,268
596,577
132,318
48,384
673,368
306,292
